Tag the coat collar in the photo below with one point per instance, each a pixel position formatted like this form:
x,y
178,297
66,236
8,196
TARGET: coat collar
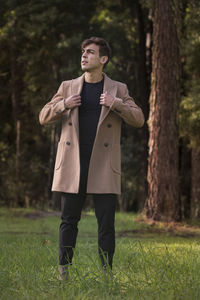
x,y
76,88
109,85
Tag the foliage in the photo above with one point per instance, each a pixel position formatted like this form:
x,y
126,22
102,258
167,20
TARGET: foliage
x,y
40,43
190,105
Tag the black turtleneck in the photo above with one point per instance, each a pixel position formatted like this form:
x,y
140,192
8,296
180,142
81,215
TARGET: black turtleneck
x,y
89,113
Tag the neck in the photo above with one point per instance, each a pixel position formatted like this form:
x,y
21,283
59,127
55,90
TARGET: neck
x,y
92,77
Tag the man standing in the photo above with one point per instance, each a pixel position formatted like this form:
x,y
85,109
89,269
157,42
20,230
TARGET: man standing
x,y
88,157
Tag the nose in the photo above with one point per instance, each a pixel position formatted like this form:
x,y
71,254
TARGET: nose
x,y
84,55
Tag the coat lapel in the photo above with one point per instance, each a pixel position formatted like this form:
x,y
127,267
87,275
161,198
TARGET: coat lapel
x,y
111,88
76,87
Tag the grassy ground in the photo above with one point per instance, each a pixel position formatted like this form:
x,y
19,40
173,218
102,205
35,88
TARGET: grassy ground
x,y
152,261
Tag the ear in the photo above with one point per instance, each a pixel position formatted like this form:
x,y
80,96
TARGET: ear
x,y
103,59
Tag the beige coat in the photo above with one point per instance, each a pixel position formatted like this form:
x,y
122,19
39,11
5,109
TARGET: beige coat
x,y
105,163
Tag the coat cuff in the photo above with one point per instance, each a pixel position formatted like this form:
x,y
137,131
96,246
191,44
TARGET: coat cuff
x,y
61,107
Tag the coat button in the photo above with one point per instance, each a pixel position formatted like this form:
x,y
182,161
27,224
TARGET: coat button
x,y
70,123
58,112
68,143
109,125
105,144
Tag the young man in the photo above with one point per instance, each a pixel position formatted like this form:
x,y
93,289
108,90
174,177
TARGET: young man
x,y
88,157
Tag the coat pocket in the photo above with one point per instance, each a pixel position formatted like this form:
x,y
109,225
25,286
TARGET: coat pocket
x,y
115,159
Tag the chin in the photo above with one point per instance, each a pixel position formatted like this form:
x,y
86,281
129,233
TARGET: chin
x,y
84,68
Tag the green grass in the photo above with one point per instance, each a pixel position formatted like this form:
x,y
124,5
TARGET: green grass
x,y
146,265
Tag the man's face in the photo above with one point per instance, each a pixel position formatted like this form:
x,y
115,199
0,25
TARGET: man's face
x,y
90,59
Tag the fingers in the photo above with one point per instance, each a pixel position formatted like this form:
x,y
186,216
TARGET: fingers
x,y
73,101
104,94
76,97
106,99
103,98
76,100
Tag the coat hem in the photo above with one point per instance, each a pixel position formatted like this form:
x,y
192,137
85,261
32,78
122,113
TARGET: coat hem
x,y
88,192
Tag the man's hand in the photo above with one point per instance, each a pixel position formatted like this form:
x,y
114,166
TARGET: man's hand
x,y
72,101
106,99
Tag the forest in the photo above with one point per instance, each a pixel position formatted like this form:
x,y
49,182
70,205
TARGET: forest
x,y
156,52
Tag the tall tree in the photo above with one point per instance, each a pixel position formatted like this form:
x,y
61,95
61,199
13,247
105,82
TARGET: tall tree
x,y
163,183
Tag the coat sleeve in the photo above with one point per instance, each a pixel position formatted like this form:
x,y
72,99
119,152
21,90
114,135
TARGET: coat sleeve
x,y
126,108
54,109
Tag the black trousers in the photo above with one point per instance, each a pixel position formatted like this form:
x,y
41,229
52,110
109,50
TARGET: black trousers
x,y
71,207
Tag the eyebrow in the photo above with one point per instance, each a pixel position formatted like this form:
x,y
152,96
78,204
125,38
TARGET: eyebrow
x,y
87,50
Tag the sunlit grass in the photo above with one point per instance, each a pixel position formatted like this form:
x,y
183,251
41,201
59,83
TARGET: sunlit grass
x,y
145,267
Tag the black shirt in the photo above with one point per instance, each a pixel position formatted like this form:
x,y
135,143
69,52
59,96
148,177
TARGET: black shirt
x,y
89,113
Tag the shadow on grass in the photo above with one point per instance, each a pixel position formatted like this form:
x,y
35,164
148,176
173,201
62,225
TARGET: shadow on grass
x,y
147,227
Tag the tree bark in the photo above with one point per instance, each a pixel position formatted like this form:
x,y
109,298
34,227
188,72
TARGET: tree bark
x,y
195,192
163,188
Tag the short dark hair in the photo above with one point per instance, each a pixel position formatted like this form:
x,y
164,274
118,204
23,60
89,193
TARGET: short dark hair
x,y
104,48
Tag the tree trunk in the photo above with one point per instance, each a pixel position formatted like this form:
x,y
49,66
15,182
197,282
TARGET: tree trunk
x,y
195,192
163,189
16,90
